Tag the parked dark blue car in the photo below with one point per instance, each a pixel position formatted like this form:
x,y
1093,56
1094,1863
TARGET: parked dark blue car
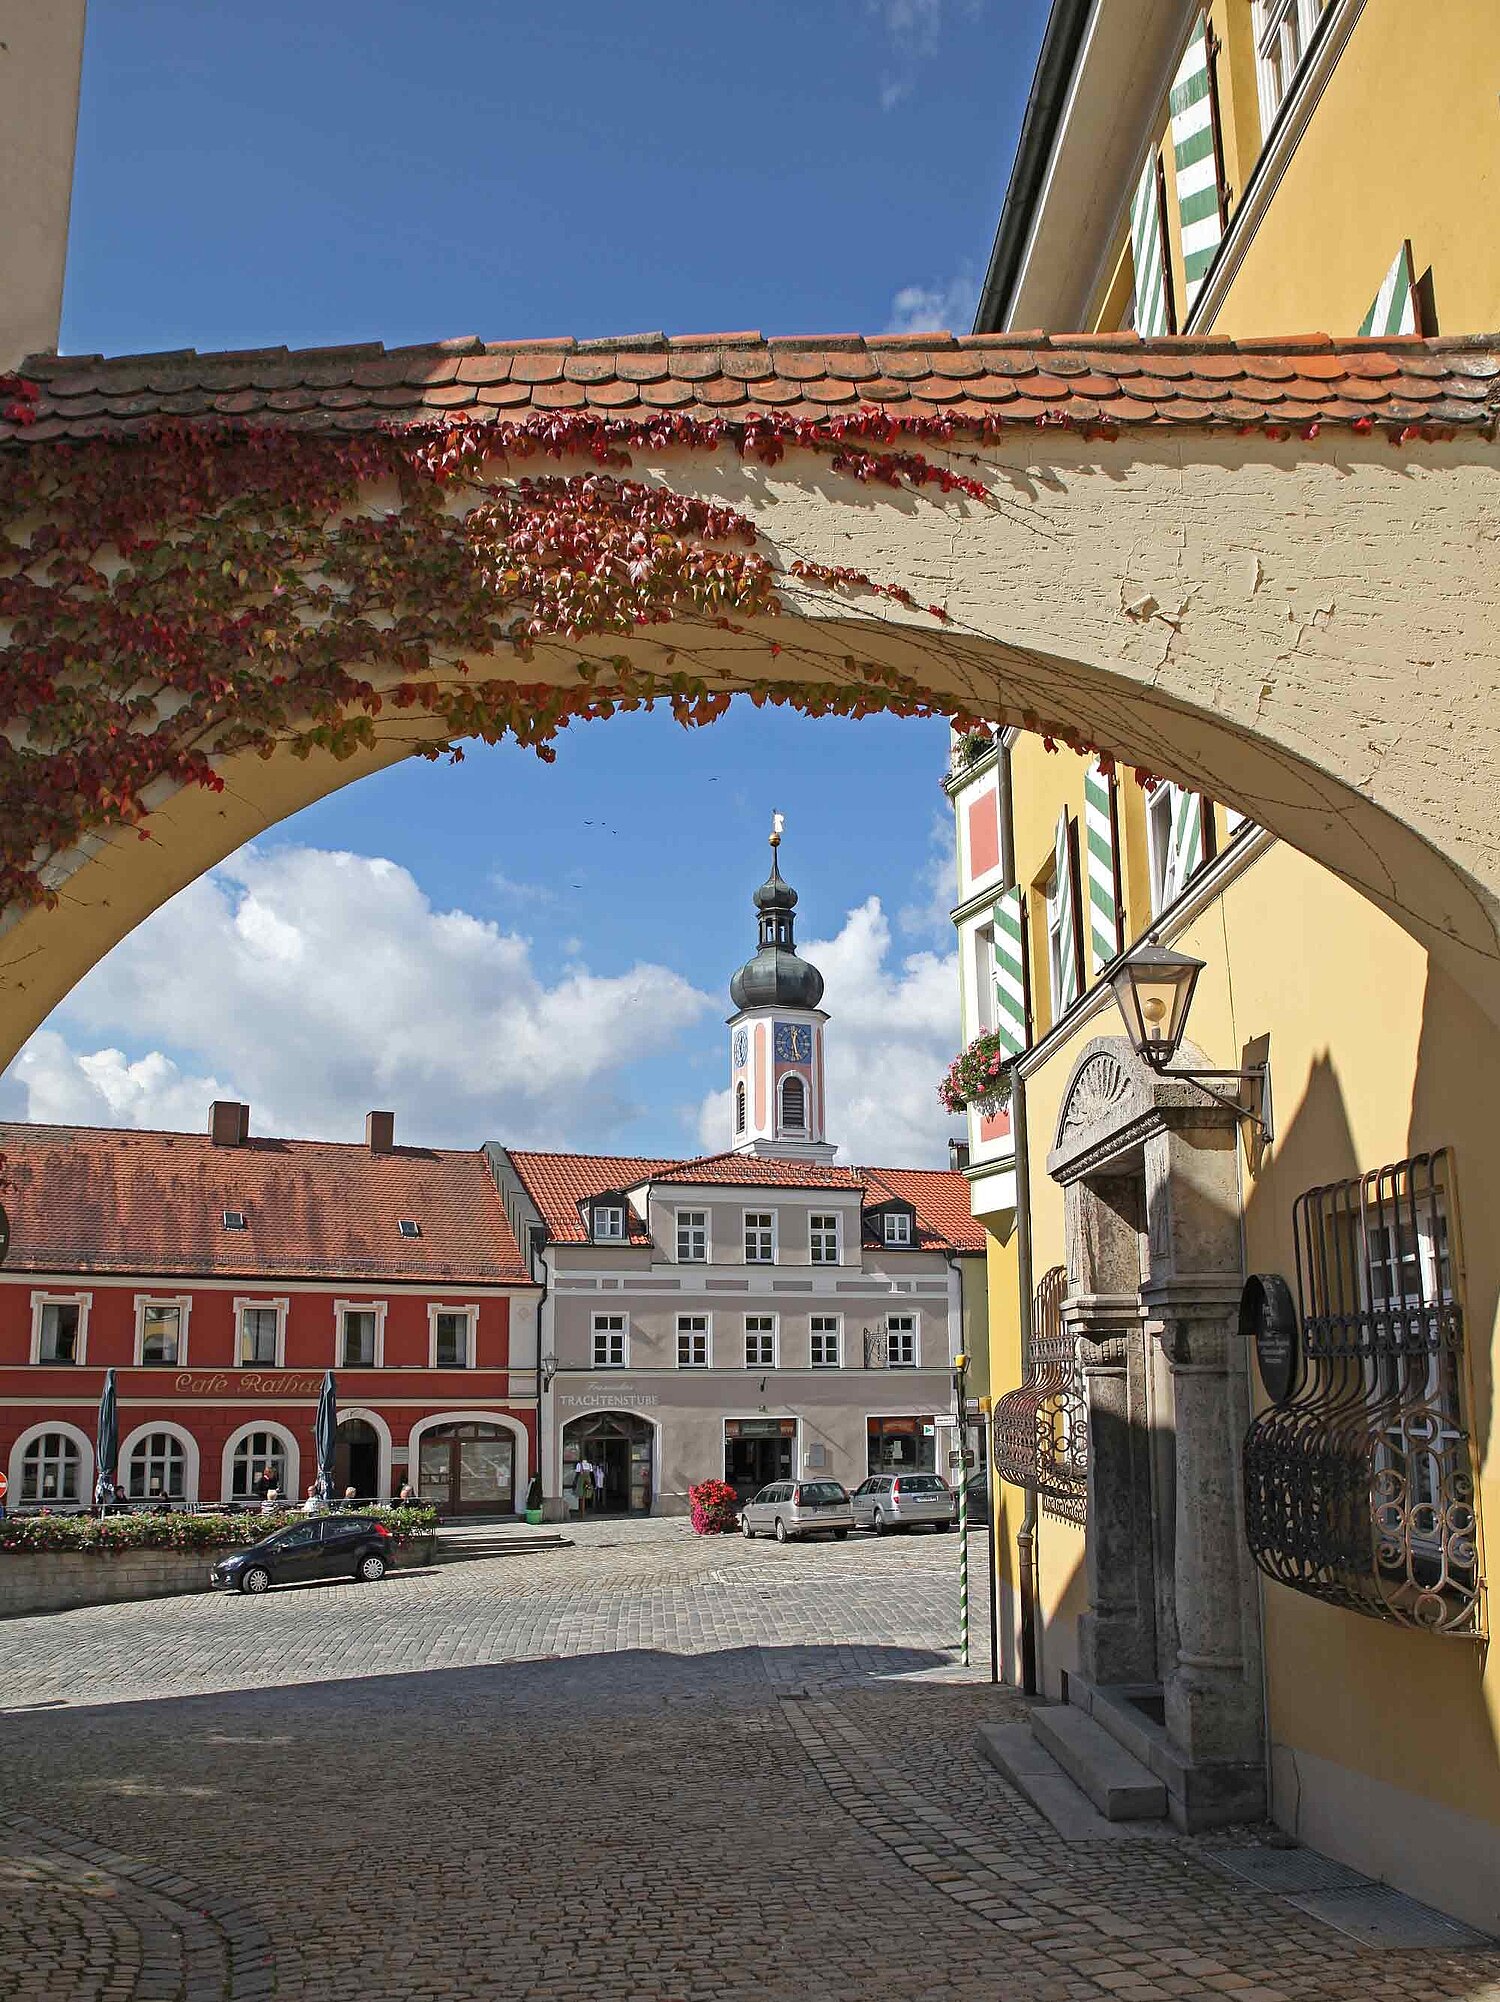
x,y
323,1546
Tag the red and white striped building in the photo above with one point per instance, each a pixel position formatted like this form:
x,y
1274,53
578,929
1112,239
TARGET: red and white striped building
x,y
221,1274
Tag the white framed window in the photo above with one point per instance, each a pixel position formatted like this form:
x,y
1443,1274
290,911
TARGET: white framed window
x,y
59,1327
361,1333
260,1333
760,1237
793,1103
610,1340
823,1236
156,1468
161,1328
451,1337
1159,845
692,1341
827,1341
1284,31
1059,941
760,1341
983,948
897,1227
692,1237
609,1223
52,1469
901,1341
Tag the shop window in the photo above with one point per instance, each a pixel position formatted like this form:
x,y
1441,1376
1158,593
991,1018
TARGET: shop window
x,y
161,1333
692,1237
1040,1429
760,1341
692,1341
826,1341
901,1341
902,1445
1359,1480
157,1468
609,1341
257,1453
51,1469
760,1237
824,1232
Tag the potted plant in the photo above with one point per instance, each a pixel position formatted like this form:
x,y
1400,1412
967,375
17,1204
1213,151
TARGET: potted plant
x,y
715,1507
534,1499
978,1076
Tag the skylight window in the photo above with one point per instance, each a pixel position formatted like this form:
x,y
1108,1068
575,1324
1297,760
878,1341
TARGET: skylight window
x,y
409,1227
234,1219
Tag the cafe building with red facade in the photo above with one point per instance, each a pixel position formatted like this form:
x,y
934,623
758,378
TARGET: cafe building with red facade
x,y
221,1274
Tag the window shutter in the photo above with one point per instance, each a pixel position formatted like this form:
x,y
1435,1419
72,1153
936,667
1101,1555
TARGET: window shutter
x,y
1010,973
1153,278
1186,857
1101,839
1065,890
1195,150
1394,309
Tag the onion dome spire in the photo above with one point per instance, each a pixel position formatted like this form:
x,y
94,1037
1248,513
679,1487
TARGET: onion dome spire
x,y
776,977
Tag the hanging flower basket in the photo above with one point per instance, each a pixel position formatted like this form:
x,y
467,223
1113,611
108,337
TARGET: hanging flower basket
x,y
979,1077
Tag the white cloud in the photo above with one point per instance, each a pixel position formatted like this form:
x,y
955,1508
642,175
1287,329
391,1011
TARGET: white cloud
x,y
914,29
892,1032
929,917
947,306
316,985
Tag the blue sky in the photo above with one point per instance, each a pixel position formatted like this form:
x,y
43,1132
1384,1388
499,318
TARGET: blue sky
x,y
402,172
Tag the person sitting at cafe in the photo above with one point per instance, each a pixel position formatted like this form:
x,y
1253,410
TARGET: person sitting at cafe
x,y
271,1503
407,1498
264,1483
315,1504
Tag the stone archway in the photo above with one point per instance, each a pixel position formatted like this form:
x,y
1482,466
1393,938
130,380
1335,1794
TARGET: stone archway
x,y
1170,1643
1263,569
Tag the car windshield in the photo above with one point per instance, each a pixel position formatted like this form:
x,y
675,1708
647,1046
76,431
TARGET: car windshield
x,y
922,1484
820,1491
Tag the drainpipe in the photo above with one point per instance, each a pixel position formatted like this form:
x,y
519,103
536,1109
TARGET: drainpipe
x,y
1026,1550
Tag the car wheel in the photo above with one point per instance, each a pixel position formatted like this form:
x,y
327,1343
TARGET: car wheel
x,y
371,1568
878,1522
780,1530
839,1535
944,1527
256,1579
745,1530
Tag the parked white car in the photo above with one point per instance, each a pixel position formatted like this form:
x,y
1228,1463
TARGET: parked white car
x,y
798,1508
900,1501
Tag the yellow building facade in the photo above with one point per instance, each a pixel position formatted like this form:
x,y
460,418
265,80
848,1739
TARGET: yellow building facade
x,y
1302,1594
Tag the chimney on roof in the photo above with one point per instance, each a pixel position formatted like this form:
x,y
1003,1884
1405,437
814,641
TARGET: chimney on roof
x,y
958,1154
380,1132
228,1122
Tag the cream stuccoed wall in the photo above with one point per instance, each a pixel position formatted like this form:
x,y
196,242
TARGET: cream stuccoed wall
x,y
41,54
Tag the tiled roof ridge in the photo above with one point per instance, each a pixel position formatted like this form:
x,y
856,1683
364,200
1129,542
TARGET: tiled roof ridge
x,y
253,1141
1101,381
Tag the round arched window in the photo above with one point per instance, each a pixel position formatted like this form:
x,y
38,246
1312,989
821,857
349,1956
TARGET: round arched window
x,y
793,1104
255,1452
157,1467
51,1469
739,1108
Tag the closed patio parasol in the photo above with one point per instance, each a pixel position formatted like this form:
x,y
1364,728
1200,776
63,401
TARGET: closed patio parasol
x,y
107,1442
326,1433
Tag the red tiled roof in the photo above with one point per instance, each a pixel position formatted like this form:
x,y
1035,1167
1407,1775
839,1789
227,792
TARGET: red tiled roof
x,y
939,1196
89,1199
557,1183
1114,379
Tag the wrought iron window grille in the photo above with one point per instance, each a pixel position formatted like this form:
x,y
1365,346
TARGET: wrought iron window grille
x,y
1040,1429
1359,1484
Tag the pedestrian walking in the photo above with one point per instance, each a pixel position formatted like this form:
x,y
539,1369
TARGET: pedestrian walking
x,y
583,1485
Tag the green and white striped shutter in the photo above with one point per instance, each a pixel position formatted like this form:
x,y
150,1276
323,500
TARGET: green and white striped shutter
x,y
1394,310
1010,973
1186,857
1148,254
1066,908
1103,866
1195,151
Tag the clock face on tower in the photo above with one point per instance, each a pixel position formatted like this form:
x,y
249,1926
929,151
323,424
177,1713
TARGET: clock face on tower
x,y
741,1048
793,1043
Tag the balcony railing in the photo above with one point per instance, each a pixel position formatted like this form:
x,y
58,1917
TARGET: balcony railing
x,y
1041,1428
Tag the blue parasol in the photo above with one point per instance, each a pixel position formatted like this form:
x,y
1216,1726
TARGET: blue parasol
x,y
107,1441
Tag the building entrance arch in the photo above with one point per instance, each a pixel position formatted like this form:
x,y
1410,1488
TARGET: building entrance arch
x,y
621,1447
1263,570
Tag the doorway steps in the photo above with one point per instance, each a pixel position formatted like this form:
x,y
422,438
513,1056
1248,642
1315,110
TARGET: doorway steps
x,y
466,1542
1120,1787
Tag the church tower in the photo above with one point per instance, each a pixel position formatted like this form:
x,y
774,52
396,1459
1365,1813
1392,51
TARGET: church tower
x,y
776,1036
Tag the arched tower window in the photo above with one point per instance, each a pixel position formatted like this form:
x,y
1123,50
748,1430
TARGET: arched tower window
x,y
739,1108
793,1104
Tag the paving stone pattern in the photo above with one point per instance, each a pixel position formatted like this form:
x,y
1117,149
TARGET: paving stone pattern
x,y
647,1766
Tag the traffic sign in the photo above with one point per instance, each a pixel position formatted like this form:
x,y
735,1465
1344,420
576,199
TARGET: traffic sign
x,y
4,1484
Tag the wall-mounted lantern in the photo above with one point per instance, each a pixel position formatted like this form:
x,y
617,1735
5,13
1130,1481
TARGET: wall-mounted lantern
x,y
1154,990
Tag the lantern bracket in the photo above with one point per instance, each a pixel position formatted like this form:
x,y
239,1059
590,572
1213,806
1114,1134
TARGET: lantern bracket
x,y
1257,1077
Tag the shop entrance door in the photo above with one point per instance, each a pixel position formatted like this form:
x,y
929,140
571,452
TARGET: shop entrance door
x,y
356,1460
758,1451
617,1445
468,1469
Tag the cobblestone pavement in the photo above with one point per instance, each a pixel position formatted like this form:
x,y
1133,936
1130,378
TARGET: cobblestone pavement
x,y
648,1766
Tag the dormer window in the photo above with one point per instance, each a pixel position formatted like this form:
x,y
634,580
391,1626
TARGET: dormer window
x,y
234,1219
897,1228
609,1223
408,1226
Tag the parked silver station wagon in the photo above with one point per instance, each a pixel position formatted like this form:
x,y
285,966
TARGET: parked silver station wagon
x,y
898,1501
798,1508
